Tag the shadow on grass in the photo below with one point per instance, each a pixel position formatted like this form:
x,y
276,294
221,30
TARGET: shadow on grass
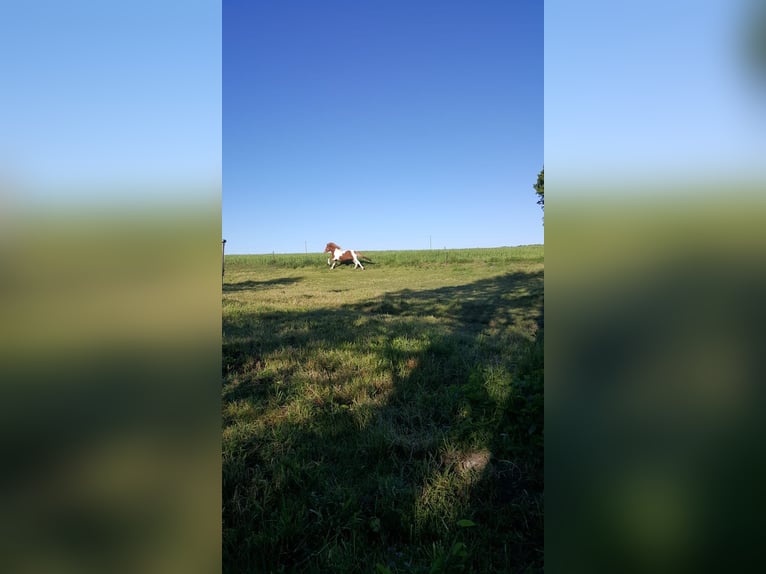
x,y
251,285
388,423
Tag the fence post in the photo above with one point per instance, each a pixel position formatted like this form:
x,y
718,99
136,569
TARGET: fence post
x,y
223,259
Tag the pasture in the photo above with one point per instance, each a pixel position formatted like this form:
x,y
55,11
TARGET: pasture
x,y
386,420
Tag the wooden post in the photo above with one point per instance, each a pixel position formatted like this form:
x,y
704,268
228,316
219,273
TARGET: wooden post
x,y
223,259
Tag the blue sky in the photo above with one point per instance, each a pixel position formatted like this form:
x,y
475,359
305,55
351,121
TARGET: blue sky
x,y
376,124
111,101
650,90
381,124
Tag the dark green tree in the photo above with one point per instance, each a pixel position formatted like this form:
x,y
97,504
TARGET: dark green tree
x,y
540,189
754,37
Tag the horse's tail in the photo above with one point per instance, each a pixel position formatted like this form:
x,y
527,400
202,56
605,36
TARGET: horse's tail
x,y
363,257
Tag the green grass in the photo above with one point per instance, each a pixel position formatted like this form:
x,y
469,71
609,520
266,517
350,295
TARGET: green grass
x,y
496,255
386,420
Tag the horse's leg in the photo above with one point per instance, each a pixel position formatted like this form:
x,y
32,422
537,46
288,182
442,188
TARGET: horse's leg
x,y
356,261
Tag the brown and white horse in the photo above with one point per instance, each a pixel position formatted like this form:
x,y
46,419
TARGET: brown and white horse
x,y
340,255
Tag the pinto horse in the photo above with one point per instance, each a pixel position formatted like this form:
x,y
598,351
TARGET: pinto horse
x,y
340,255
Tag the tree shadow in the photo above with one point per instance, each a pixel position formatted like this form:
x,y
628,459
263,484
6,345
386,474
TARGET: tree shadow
x,y
358,466
251,285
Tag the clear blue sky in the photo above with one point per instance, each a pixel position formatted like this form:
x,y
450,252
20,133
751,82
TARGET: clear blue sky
x,y
381,124
352,121
650,90
115,101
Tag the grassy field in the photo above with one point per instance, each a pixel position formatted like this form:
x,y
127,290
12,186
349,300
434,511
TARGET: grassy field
x,y
386,420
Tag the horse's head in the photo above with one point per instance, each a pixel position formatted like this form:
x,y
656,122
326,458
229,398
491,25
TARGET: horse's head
x,y
330,247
